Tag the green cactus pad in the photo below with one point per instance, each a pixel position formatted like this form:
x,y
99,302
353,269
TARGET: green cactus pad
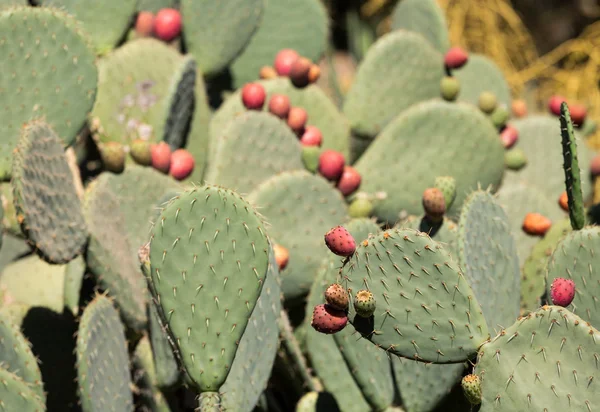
x,y
10,221
301,25
45,196
487,254
203,237
145,90
446,233
422,386
155,5
247,380
151,399
255,141
424,17
4,4
544,361
426,310
571,168
105,23
58,84
74,273
17,395
321,111
413,69
167,372
318,206
479,75
406,158
217,32
102,359
575,258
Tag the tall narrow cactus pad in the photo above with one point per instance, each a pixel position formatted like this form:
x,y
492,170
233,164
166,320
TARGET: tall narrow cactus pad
x,y
217,32
301,25
424,17
479,75
45,196
406,158
17,395
167,372
208,245
259,142
319,208
426,310
102,359
413,69
544,361
48,71
488,256
577,257
571,168
74,273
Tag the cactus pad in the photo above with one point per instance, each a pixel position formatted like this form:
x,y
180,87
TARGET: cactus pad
x,y
424,17
74,273
481,74
167,372
426,309
102,359
446,233
45,196
406,158
255,141
544,361
17,395
208,244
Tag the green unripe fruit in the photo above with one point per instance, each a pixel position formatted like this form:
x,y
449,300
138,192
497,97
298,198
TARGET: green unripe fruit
x,y
113,156
450,87
471,385
360,207
364,303
446,185
310,158
515,159
500,116
141,152
487,102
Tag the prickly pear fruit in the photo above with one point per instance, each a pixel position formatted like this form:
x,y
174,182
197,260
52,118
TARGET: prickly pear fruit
x,y
336,296
536,224
554,104
515,159
364,303
161,156
167,24
487,102
140,151
314,73
471,385
595,166
519,108
349,181
312,136
267,73
331,165
562,292
282,256
279,105
299,72
578,114
296,120
450,87
434,204
499,117
456,58
253,96
113,156
310,158
509,136
360,207
182,164
328,320
447,185
144,24
284,60
340,241
563,201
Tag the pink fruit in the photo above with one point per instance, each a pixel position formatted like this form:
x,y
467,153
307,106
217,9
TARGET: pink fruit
x,y
434,204
253,96
595,166
328,320
144,24
509,136
284,60
279,105
167,24
299,72
578,114
161,157
349,182
554,104
182,164
331,165
336,297
312,136
297,118
562,292
340,241
455,58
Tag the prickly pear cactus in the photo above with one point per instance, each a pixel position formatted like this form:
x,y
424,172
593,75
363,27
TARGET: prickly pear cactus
x,y
424,17
167,372
144,378
445,233
74,273
17,395
479,75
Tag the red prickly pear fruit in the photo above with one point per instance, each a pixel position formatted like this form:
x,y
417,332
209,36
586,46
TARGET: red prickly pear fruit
x,y
434,204
349,182
279,105
312,136
182,164
509,136
161,156
563,201
267,73
299,72
578,114
364,304
296,120
113,156
284,60
167,24
144,24
253,96
314,73
536,224
336,297
562,292
595,166
328,320
471,385
456,58
554,104
519,108
340,241
282,256
331,165
140,151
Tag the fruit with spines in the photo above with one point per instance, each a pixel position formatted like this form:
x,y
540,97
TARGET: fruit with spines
x,y
446,185
296,120
595,166
299,72
282,256
279,105
144,24
364,303
519,108
563,201
471,386
141,152
455,58
536,224
434,204
509,136
161,156
182,164
500,116
349,181
326,319
314,73
562,292
340,242
331,165
450,88
113,156
267,72
336,296
253,96
310,158
515,159
360,207
312,136
554,104
487,102
167,24
284,60
578,114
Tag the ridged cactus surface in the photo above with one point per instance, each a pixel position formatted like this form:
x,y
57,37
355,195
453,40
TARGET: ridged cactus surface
x,y
17,395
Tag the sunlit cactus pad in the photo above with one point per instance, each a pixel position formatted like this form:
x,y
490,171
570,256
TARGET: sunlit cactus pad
x,y
424,17
45,196
479,75
17,395
48,71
